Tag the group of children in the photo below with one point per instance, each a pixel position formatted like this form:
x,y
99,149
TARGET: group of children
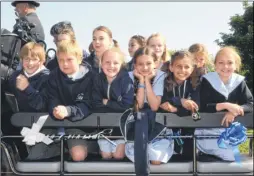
x,y
78,85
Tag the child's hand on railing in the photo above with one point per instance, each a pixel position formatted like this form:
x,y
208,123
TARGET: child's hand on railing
x,y
105,101
235,109
168,107
60,112
228,118
189,104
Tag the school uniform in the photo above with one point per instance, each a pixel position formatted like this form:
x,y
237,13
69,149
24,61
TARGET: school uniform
x,y
31,99
74,92
130,65
93,62
141,128
120,95
178,92
174,97
213,91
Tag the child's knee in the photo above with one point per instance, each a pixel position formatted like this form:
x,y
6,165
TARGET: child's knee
x,y
78,153
118,155
106,155
155,162
120,152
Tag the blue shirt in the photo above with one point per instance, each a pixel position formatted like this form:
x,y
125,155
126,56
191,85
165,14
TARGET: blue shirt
x,y
158,83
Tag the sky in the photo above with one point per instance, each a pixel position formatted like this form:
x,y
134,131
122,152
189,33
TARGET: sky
x,y
181,23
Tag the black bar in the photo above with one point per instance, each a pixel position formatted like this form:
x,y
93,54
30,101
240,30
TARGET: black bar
x,y
62,157
208,120
194,156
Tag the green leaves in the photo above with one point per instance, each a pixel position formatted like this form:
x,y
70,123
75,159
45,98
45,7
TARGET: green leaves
x,y
241,37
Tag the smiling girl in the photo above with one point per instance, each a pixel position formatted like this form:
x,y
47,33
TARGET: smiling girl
x,y
157,43
102,41
179,95
112,92
148,85
136,42
223,90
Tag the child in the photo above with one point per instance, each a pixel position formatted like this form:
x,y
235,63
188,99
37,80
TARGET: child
x,y
69,93
158,44
62,31
201,56
113,92
102,41
136,42
179,96
178,88
28,84
148,84
202,62
223,90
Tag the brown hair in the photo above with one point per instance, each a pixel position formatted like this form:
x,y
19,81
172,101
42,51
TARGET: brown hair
x,y
140,39
144,51
200,49
34,50
169,80
108,31
90,48
104,29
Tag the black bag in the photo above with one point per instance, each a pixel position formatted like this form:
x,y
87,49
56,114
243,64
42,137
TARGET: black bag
x,y
127,125
10,48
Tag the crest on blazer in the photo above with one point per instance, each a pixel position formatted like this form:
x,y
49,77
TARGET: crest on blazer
x,y
80,97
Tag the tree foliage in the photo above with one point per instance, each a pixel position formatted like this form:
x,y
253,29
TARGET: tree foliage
x,y
241,37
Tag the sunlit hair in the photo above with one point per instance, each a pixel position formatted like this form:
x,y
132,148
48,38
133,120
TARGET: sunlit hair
x,y
33,49
104,29
144,51
118,51
199,49
140,40
70,48
165,55
169,81
231,50
107,31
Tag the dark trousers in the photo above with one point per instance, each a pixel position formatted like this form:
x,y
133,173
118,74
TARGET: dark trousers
x,y
143,126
